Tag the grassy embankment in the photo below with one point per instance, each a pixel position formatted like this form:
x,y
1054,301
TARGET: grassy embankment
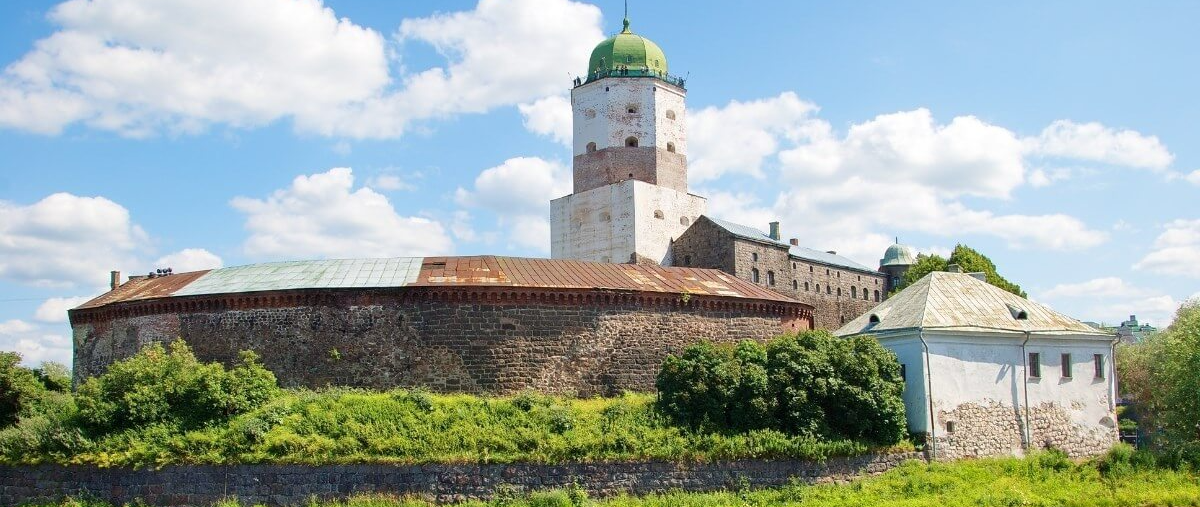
x,y
351,426
1045,480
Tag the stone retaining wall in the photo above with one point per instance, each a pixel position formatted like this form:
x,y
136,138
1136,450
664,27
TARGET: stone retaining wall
x,y
296,484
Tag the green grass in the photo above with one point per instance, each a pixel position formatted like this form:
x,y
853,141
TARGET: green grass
x,y
354,426
1030,482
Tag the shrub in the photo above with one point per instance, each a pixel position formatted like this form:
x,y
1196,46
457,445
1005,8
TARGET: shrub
x,y
811,384
20,389
159,386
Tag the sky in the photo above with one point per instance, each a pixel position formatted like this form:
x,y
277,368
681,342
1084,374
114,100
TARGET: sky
x,y
1055,137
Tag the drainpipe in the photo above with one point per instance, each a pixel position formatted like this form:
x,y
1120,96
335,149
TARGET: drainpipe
x,y
929,399
1025,435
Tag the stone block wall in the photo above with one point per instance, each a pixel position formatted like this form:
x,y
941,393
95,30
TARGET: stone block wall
x,y
297,484
654,165
389,338
997,429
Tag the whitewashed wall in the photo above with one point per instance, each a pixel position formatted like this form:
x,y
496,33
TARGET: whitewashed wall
x,y
600,114
610,223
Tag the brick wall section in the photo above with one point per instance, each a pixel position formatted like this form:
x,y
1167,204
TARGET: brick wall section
x,y
835,292
386,339
650,164
296,484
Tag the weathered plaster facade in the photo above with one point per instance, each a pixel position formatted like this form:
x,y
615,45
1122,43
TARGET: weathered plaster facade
x,y
628,221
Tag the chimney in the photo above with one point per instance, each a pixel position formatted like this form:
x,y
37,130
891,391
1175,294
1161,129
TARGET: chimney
x,y
794,241
954,268
114,279
775,231
831,252
979,275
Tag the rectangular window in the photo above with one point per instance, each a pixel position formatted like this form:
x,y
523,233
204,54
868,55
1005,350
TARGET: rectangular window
x,y
1035,365
1098,360
1066,365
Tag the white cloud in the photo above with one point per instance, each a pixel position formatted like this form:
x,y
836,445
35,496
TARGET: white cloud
x,y
1095,142
518,192
54,310
139,68
34,344
1193,177
1176,250
66,240
738,137
189,259
549,116
322,215
1110,300
390,183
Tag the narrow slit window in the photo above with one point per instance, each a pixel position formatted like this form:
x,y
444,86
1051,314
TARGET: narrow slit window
x,y
754,275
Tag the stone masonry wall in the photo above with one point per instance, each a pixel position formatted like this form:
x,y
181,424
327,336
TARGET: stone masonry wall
x,y
837,293
654,165
996,429
373,339
296,484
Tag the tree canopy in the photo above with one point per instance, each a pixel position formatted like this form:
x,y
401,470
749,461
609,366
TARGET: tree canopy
x,y
969,259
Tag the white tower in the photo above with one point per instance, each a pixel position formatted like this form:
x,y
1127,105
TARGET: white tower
x,y
630,197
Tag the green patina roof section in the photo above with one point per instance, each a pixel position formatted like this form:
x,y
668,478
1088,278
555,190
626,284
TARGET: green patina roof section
x,y
629,50
333,274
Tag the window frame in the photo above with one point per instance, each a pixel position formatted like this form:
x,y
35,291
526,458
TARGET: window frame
x,y
1034,365
1065,365
1098,364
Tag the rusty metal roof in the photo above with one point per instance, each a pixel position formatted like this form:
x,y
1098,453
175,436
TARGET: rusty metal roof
x,y
960,302
483,270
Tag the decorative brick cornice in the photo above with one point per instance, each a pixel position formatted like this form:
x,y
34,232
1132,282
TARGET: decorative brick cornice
x,y
508,296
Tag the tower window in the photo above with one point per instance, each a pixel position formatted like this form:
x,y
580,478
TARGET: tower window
x,y
605,216
684,221
589,114
805,286
658,214
631,109
854,292
771,278
828,290
631,142
754,256
670,114
876,295
839,292
687,260
754,275
591,147
864,293
671,147
795,285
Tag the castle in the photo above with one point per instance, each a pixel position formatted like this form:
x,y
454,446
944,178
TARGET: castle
x,y
638,271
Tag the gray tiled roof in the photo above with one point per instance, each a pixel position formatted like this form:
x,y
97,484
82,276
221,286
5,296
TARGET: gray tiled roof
x,y
332,274
745,231
962,302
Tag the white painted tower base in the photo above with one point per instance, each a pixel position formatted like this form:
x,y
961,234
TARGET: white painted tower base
x,y
614,222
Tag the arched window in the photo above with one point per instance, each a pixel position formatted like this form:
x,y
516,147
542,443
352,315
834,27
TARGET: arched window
x,y
631,142
818,287
658,214
854,292
671,147
670,114
876,295
865,295
754,275
795,285
684,221
754,256
687,260
805,286
839,292
631,109
771,278
591,147
829,290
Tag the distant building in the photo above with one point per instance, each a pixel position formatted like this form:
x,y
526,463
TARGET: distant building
x,y
989,373
1131,331
895,263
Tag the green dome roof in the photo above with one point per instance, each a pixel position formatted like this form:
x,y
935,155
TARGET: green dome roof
x,y
627,50
898,255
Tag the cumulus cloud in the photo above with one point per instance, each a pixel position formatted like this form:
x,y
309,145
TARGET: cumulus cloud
x,y
323,215
1098,143
189,259
1193,177
139,68
390,182
33,343
65,240
54,310
1110,300
738,137
518,192
1176,250
549,116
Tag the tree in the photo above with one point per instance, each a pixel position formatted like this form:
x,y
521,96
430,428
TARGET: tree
x,y
967,258
1161,376
20,388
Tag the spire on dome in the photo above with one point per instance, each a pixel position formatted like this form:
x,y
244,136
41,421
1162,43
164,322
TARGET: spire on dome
x,y
625,28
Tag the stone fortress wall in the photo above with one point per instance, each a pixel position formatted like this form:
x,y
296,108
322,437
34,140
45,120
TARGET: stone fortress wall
x,y
446,339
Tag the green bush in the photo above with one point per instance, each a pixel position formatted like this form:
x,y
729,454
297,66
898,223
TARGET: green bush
x,y
20,389
810,384
172,387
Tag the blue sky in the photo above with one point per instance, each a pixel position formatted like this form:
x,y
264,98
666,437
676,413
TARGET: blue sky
x,y
1053,136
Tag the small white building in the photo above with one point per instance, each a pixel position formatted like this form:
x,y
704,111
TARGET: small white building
x,y
990,373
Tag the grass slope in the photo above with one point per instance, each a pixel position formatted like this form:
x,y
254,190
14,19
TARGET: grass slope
x,y
352,426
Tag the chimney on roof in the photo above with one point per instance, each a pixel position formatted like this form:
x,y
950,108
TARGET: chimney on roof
x,y
794,241
831,252
775,231
979,275
114,279
954,268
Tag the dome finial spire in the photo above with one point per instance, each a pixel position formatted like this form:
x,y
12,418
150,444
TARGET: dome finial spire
x,y
625,28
